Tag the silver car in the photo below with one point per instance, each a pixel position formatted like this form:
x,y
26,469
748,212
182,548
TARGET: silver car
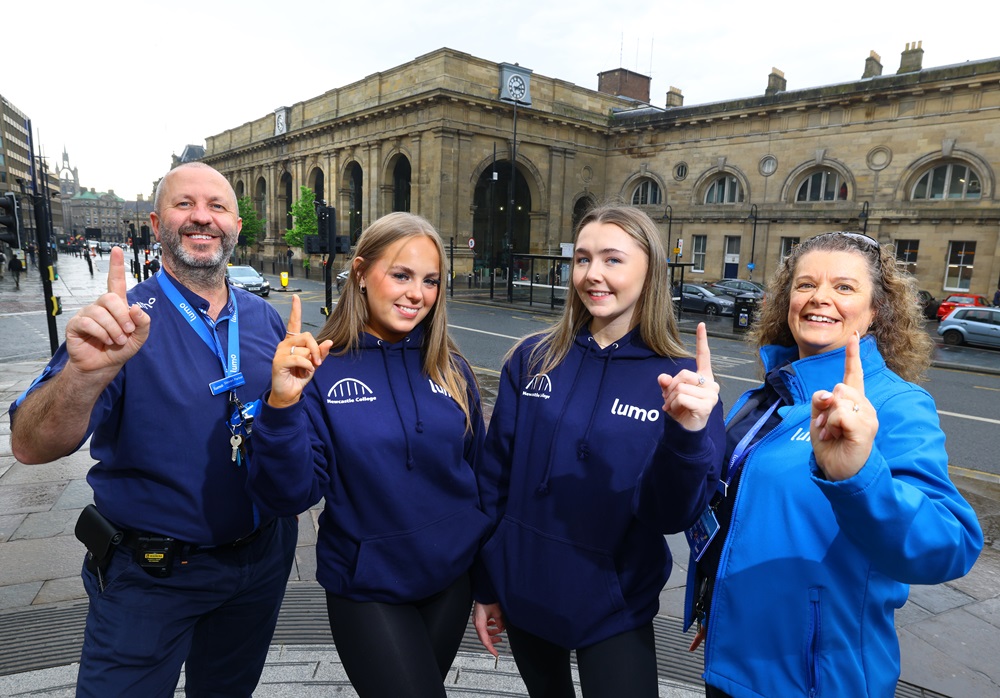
x,y
972,325
704,300
248,278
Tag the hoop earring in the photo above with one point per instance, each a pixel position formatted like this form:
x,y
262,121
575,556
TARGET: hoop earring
x,y
364,291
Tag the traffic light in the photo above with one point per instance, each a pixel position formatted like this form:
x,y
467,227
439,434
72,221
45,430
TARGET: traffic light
x,y
144,232
10,220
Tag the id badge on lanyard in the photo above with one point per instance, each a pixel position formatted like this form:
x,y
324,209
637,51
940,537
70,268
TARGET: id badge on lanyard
x,y
232,377
700,535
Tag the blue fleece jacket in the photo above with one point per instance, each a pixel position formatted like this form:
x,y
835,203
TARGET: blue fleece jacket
x,y
389,451
811,570
578,553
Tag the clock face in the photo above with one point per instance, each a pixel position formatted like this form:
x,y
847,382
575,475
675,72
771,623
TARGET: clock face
x,y
280,125
516,86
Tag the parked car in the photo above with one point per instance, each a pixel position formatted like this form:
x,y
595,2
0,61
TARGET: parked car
x,y
248,278
928,304
738,287
704,300
972,326
956,299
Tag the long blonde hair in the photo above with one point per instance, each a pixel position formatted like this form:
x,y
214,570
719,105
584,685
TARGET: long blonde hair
x,y
350,317
653,311
897,322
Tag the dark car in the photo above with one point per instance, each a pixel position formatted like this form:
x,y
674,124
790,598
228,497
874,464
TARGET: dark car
x,y
738,287
928,304
972,326
705,300
249,279
958,299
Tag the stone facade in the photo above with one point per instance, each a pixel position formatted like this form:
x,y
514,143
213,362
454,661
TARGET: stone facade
x,y
908,157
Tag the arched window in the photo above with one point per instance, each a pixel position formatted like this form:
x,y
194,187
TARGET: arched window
x,y
823,185
725,189
646,193
951,181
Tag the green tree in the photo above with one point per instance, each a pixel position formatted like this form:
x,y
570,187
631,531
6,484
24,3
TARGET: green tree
x,y
304,215
253,226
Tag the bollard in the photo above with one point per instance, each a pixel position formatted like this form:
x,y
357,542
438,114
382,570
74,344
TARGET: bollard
x,y
284,279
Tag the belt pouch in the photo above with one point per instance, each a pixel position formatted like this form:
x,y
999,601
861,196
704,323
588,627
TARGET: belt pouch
x,y
97,534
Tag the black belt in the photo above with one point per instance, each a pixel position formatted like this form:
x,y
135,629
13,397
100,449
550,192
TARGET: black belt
x,y
132,538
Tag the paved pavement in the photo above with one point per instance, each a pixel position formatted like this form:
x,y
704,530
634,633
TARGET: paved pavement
x,y
949,633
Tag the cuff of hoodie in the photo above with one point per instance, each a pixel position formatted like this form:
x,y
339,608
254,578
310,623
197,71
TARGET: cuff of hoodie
x,y
692,447
280,418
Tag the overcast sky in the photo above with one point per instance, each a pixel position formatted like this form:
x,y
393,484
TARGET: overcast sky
x,y
124,84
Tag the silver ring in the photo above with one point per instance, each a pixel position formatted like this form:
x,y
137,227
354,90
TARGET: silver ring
x,y
857,407
291,334
292,351
701,379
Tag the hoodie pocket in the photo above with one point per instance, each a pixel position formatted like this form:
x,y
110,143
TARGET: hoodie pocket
x,y
414,564
558,589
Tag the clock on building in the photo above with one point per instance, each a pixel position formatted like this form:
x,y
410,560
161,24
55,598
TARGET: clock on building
x,y
280,121
516,87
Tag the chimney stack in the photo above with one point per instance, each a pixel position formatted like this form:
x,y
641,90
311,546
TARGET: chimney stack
x,y
674,97
873,66
624,83
912,58
775,82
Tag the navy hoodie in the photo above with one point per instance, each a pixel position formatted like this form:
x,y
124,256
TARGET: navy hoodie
x,y
389,451
583,473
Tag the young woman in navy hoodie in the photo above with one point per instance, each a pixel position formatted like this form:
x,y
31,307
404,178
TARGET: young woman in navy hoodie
x,y
605,436
380,416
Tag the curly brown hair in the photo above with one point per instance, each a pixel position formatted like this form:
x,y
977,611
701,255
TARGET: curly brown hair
x,y
897,325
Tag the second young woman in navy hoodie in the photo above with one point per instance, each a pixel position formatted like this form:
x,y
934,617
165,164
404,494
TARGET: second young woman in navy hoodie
x,y
388,429
605,436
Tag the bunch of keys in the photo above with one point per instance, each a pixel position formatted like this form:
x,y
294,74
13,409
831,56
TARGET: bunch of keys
x,y
240,423
239,452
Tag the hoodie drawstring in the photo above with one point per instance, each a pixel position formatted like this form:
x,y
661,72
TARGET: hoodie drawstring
x,y
583,445
420,425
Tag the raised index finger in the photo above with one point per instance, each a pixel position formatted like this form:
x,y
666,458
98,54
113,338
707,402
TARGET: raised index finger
x,y
854,373
295,317
116,273
702,355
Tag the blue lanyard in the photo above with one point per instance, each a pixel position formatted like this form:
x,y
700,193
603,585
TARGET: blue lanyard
x,y
744,447
231,365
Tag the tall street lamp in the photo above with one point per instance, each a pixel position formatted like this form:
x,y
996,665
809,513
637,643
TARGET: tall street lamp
x,y
753,240
864,217
514,89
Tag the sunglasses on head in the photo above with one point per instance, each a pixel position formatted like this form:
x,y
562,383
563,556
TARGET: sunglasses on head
x,y
864,242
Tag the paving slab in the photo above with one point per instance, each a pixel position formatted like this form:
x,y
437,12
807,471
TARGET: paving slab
x,y
24,499
37,560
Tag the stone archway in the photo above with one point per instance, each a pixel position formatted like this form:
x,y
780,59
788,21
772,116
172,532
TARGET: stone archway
x,y
492,223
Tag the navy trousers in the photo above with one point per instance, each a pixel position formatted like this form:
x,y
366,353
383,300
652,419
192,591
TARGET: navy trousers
x,y
216,612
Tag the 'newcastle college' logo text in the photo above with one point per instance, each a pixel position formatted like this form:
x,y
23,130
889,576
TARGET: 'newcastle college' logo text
x,y
539,386
349,390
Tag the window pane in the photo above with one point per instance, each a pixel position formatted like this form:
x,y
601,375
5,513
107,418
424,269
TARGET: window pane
x,y
815,187
937,181
711,195
830,190
957,185
654,192
920,191
698,256
803,193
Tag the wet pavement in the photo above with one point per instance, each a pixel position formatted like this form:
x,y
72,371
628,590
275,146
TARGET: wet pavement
x,y
949,633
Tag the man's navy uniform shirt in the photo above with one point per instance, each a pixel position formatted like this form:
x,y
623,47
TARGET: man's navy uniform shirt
x,y
160,438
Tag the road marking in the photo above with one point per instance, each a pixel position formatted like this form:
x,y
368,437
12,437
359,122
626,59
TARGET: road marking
x,y
985,387
492,334
969,416
756,381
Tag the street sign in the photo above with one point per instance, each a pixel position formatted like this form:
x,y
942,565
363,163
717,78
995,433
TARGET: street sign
x,y
472,243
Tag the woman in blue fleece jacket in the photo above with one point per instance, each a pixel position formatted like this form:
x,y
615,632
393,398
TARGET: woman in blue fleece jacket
x,y
838,494
578,558
388,429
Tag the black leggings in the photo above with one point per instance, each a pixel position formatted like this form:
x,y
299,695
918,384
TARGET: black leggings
x,y
391,650
622,665
713,692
